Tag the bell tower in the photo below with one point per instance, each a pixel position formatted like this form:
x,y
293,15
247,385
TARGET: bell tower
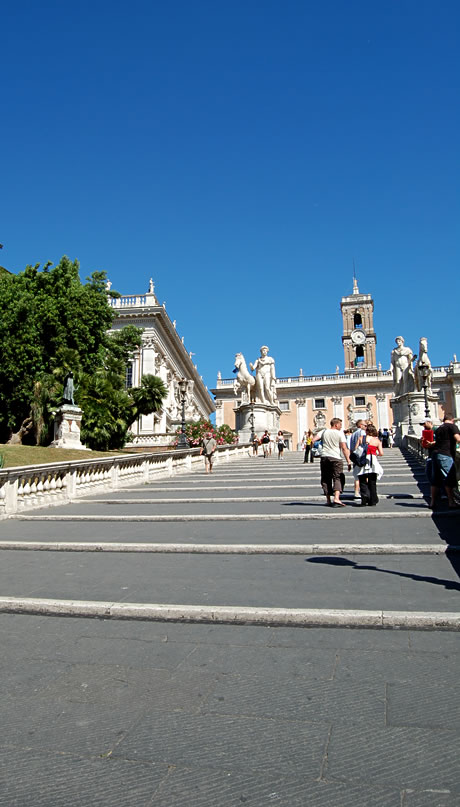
x,y
358,337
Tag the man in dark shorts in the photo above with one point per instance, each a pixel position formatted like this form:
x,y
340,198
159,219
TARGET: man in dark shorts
x,y
334,448
208,447
444,447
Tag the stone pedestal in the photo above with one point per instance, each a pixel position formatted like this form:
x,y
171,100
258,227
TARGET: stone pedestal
x,y
255,419
416,402
67,428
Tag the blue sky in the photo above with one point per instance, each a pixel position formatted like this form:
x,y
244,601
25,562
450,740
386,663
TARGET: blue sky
x,y
242,154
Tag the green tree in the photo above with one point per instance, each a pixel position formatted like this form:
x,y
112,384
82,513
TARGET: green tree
x,y
51,322
109,408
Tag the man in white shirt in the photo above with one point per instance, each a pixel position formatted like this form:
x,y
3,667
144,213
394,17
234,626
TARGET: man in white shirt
x,y
334,446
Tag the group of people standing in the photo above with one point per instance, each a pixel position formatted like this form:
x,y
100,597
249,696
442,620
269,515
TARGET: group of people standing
x,y
360,452
440,466
268,443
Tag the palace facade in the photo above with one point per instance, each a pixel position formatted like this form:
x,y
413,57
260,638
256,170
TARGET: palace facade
x,y
364,390
162,353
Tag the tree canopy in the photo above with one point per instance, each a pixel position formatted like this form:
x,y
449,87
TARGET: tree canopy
x,y
51,323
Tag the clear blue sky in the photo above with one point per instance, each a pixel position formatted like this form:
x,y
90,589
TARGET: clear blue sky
x,y
242,153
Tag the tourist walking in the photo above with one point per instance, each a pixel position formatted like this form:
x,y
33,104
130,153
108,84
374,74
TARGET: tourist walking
x,y
427,442
280,444
334,447
354,438
368,474
208,447
444,472
308,446
255,445
265,442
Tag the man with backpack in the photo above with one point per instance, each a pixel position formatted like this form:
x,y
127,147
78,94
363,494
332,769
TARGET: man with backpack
x,y
359,432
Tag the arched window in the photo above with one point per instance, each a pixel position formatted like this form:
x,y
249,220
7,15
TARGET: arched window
x,y
357,321
359,355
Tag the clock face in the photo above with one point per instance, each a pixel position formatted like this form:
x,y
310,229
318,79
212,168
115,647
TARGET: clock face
x,y
358,337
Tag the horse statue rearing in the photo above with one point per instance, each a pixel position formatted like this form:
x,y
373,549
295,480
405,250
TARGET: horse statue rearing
x,y
244,382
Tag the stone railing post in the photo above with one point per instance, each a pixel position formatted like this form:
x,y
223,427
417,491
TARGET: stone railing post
x,y
11,497
114,476
71,479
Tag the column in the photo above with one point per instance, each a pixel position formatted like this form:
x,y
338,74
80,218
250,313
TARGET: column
x,y
219,414
301,419
337,401
382,411
456,397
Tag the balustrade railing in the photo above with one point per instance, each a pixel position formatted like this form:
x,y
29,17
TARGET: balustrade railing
x,y
414,445
28,487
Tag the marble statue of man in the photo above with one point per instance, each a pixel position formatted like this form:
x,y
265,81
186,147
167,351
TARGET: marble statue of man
x,y
423,370
67,395
401,362
265,386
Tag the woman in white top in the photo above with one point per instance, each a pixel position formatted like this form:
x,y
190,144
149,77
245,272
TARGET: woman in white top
x,y
280,443
369,473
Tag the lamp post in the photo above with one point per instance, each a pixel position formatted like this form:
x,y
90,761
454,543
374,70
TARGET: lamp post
x,y
182,442
251,421
424,371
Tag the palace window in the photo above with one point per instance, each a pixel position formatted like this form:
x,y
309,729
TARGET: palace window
x,y
284,406
357,320
360,400
319,403
441,395
129,376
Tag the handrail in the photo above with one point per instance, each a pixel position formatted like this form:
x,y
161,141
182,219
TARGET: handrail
x,y
30,486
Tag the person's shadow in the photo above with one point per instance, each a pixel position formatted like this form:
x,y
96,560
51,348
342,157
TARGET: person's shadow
x,y
334,560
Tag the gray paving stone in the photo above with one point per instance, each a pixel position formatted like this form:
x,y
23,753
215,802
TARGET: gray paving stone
x,y
38,779
289,748
80,728
25,680
337,638
430,798
328,702
431,706
113,686
214,788
434,641
276,662
126,652
394,757
396,666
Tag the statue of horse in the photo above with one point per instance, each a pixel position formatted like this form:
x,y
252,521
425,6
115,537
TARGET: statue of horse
x,y
423,361
244,382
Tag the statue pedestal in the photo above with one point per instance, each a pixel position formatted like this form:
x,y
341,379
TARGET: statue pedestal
x,y
255,419
416,402
67,428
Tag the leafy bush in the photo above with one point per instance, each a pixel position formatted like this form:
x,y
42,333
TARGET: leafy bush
x,y
197,429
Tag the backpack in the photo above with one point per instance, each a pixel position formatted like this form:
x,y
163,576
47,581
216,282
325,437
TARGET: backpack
x,y
359,459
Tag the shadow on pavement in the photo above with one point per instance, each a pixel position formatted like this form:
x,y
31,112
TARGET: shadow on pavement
x,y
449,585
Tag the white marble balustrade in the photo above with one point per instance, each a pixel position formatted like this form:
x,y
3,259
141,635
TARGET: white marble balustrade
x,y
25,488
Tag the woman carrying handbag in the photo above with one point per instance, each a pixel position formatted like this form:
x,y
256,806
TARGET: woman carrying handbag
x,y
371,471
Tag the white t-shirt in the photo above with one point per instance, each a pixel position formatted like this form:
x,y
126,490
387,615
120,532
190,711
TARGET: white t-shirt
x,y
331,439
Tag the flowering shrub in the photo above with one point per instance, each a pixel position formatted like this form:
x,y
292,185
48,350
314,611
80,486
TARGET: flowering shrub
x,y
198,429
